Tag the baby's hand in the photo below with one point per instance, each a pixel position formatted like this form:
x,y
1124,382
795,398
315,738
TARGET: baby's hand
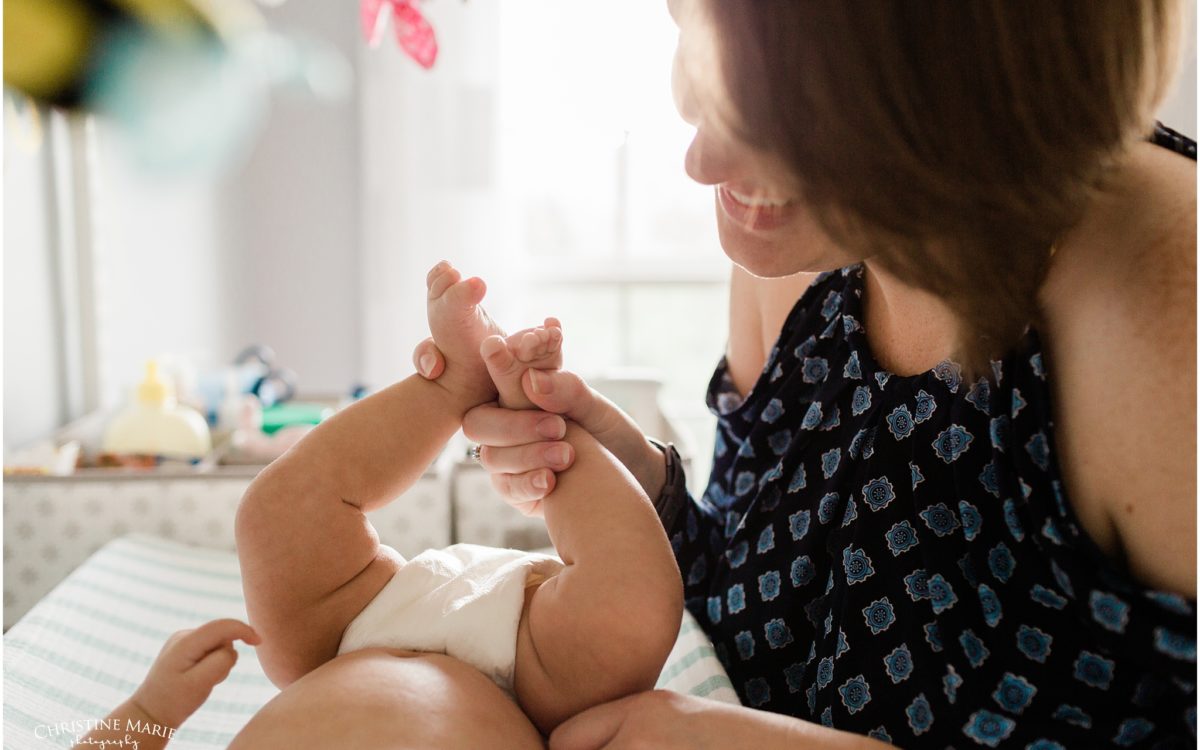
x,y
190,664
507,360
459,325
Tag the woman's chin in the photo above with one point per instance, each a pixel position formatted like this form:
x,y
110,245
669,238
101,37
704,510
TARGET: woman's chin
x,y
764,255
797,247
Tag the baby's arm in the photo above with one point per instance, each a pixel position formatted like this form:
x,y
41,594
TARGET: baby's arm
x,y
190,664
603,627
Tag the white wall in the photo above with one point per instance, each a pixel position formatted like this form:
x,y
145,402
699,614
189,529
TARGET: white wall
x,y
33,400
160,280
428,174
196,267
274,253
292,257
1179,109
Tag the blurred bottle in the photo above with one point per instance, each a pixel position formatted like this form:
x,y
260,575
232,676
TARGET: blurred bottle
x,y
155,424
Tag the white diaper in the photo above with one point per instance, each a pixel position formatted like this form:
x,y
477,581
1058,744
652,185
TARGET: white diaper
x,y
464,601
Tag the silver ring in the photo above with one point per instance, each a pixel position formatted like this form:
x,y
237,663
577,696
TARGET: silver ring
x,y
473,453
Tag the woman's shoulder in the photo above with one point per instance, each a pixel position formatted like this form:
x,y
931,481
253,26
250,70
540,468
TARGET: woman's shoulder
x,y
1119,332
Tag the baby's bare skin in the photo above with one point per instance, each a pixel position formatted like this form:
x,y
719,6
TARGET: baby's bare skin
x,y
311,562
387,698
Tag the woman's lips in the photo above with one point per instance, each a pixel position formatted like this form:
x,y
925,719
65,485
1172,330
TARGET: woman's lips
x,y
758,217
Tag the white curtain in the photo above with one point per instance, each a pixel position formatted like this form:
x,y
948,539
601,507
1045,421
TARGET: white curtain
x,y
428,170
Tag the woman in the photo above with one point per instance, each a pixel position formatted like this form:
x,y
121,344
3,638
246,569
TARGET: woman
x,y
953,495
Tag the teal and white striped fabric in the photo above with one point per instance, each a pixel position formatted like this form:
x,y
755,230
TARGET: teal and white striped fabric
x,y
693,667
85,648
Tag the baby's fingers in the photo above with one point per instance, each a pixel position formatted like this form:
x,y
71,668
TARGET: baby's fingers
x,y
215,666
556,335
214,635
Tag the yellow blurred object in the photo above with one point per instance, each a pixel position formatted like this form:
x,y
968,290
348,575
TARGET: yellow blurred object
x,y
225,17
45,45
23,119
156,425
154,391
166,15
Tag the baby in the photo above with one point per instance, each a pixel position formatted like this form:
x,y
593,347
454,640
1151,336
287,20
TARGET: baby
x,y
352,630
190,664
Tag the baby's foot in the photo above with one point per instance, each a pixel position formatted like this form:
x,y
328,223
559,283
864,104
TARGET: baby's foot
x,y
508,359
459,325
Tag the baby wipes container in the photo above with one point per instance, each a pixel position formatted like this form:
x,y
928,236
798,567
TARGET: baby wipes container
x,y
156,425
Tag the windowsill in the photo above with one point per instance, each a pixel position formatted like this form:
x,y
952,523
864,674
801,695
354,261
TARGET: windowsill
x,y
606,271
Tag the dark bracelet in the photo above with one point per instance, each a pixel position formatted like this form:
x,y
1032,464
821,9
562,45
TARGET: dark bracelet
x,y
674,492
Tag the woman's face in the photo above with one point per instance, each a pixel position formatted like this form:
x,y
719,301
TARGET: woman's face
x,y
762,223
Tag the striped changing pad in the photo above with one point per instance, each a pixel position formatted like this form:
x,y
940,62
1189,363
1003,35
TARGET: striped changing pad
x,y
85,648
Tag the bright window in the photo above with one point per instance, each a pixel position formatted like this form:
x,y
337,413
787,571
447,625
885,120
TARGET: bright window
x,y
609,232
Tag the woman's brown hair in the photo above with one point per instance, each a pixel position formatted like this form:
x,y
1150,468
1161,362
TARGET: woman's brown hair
x,y
952,140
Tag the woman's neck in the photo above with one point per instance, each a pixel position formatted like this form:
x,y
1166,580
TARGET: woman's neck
x,y
909,330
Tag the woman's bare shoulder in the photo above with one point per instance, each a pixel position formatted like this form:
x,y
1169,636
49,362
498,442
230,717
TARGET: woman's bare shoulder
x,y
1119,331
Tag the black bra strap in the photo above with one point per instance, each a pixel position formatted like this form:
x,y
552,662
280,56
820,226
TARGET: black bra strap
x,y
1174,140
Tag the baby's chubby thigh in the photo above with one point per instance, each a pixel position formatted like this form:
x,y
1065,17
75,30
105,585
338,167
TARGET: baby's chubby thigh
x,y
388,698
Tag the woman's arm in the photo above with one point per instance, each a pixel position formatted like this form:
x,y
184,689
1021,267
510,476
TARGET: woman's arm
x,y
1119,326
672,721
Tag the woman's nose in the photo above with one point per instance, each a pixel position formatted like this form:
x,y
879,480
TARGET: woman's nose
x,y
708,161
708,158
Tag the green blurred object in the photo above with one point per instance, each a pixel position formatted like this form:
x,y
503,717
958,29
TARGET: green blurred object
x,y
277,417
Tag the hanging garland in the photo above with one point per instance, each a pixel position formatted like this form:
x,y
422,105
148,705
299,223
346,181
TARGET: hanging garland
x,y
414,34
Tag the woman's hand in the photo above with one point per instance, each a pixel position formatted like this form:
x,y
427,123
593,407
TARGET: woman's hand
x,y
515,450
665,720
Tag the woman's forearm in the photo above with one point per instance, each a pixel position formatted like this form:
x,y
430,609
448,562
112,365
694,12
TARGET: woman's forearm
x,y
740,726
675,721
806,734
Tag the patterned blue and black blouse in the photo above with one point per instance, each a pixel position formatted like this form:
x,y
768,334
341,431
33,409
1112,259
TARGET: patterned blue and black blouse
x,y
897,556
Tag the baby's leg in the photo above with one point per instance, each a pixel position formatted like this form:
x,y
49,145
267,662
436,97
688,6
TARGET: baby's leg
x,y
602,627
459,324
310,559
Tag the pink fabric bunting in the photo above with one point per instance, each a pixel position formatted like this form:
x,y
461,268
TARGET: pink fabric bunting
x,y
413,32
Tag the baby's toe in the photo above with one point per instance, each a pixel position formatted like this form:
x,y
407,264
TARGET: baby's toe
x,y
440,278
538,347
530,345
505,371
497,356
465,294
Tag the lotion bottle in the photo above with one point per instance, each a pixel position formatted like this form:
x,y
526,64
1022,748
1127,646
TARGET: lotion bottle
x,y
156,424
